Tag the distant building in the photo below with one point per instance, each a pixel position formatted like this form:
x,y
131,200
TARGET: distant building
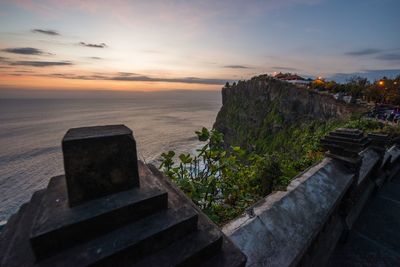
x,y
293,79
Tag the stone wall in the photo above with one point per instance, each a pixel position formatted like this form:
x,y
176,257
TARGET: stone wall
x,y
303,225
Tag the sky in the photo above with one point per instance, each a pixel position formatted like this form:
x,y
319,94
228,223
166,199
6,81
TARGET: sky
x,y
182,44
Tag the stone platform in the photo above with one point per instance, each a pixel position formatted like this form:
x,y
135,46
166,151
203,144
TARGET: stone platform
x,y
149,223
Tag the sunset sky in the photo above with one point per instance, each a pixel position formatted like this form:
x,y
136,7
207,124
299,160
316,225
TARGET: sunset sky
x,y
153,45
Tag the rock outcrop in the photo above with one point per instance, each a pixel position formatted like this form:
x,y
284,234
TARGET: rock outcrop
x,y
262,106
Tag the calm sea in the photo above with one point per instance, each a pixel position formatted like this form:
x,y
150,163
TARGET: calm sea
x,y
31,131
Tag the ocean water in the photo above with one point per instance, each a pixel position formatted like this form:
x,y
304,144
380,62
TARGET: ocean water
x,y
31,131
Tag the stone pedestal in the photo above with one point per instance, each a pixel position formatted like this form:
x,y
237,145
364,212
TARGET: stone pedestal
x,y
345,145
99,161
97,215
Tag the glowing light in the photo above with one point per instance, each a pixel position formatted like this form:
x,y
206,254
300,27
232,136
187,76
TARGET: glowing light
x,y
381,83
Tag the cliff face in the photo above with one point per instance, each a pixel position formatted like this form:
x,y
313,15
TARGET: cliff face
x,y
257,109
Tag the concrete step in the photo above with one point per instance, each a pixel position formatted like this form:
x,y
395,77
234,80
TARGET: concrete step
x,y
18,252
58,226
189,251
130,242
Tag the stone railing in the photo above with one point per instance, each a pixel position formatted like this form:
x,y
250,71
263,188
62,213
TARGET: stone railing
x,y
303,225
111,210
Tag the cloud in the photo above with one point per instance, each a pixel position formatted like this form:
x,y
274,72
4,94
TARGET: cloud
x,y
102,45
47,32
371,75
133,77
389,57
127,73
363,52
284,68
195,80
25,51
237,67
95,58
41,63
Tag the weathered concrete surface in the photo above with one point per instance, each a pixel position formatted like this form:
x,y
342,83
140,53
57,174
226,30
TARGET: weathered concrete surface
x,y
286,223
370,163
369,159
99,161
375,238
394,151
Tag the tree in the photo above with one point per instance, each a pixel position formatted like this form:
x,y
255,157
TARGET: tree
x,y
357,86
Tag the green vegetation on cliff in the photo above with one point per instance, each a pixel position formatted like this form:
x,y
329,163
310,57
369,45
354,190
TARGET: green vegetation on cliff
x,y
265,134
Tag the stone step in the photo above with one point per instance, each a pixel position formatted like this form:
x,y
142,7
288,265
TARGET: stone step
x,y
18,252
58,226
345,145
131,242
350,133
189,251
362,140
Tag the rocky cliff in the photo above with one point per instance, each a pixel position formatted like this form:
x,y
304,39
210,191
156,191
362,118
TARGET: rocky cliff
x,y
255,110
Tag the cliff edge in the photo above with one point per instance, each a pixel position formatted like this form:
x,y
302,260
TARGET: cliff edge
x,y
256,109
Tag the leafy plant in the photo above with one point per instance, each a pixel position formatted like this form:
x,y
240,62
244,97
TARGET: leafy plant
x,y
221,183
224,182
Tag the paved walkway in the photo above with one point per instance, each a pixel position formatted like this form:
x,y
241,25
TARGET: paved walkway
x,y
375,238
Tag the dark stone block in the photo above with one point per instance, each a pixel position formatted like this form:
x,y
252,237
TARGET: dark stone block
x,y
379,141
349,133
57,226
130,242
230,256
99,161
362,140
188,251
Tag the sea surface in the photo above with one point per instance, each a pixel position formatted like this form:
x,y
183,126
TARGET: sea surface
x,y
31,131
